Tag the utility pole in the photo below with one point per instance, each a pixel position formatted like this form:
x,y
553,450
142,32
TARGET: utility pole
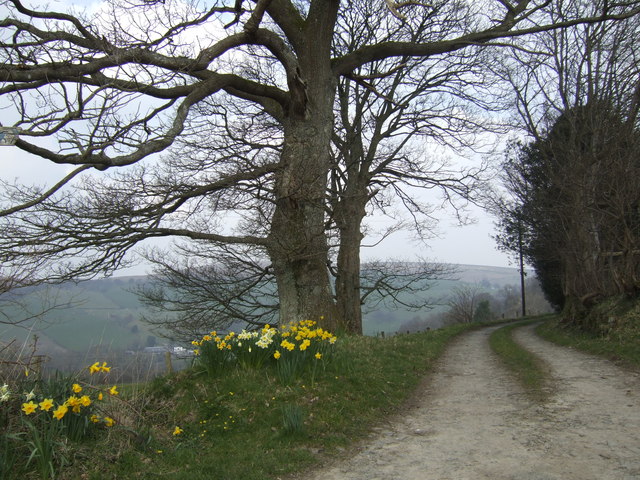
x,y
522,274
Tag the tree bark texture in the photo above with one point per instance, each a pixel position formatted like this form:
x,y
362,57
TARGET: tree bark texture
x,y
297,241
348,295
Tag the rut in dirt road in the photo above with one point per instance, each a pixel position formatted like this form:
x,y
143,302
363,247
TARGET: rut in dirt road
x,y
472,421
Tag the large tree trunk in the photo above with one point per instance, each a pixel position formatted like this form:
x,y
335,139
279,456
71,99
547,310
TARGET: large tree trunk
x,y
298,245
297,242
348,295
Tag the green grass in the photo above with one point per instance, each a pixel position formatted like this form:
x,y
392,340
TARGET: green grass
x,y
527,368
245,424
623,346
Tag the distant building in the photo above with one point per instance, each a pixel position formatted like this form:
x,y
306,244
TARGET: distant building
x,y
177,351
160,349
182,352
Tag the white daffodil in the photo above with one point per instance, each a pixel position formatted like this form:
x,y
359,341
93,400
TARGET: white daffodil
x,y
5,394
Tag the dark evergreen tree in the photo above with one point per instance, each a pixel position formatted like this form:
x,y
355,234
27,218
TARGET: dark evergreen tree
x,y
574,206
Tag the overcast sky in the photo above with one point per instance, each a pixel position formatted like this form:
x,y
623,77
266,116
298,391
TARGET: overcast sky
x,y
471,244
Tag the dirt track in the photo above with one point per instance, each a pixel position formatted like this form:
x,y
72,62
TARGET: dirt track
x,y
471,421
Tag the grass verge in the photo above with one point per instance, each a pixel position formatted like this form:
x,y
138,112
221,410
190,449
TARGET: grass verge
x,y
623,349
245,424
528,369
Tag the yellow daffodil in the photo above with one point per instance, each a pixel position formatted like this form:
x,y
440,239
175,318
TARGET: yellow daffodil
x,y
76,388
95,368
74,403
318,355
277,355
46,404
94,418
177,431
109,422
85,401
113,391
29,407
104,368
60,412
100,396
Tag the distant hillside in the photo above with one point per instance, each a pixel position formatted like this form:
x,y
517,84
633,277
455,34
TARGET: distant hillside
x,y
390,320
106,314
95,313
496,276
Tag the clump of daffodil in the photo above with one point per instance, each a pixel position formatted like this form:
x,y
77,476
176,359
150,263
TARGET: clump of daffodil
x,y
293,347
54,411
72,404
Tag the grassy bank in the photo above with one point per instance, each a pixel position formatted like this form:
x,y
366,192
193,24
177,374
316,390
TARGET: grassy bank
x,y
246,424
528,369
620,345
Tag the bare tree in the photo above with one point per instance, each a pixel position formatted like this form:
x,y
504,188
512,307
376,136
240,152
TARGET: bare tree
x,y
390,114
194,293
121,86
378,163
397,283
463,303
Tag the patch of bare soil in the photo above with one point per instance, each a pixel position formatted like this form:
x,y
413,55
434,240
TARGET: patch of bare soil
x,y
471,421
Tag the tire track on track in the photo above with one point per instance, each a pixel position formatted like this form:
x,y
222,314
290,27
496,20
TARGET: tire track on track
x,y
470,420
